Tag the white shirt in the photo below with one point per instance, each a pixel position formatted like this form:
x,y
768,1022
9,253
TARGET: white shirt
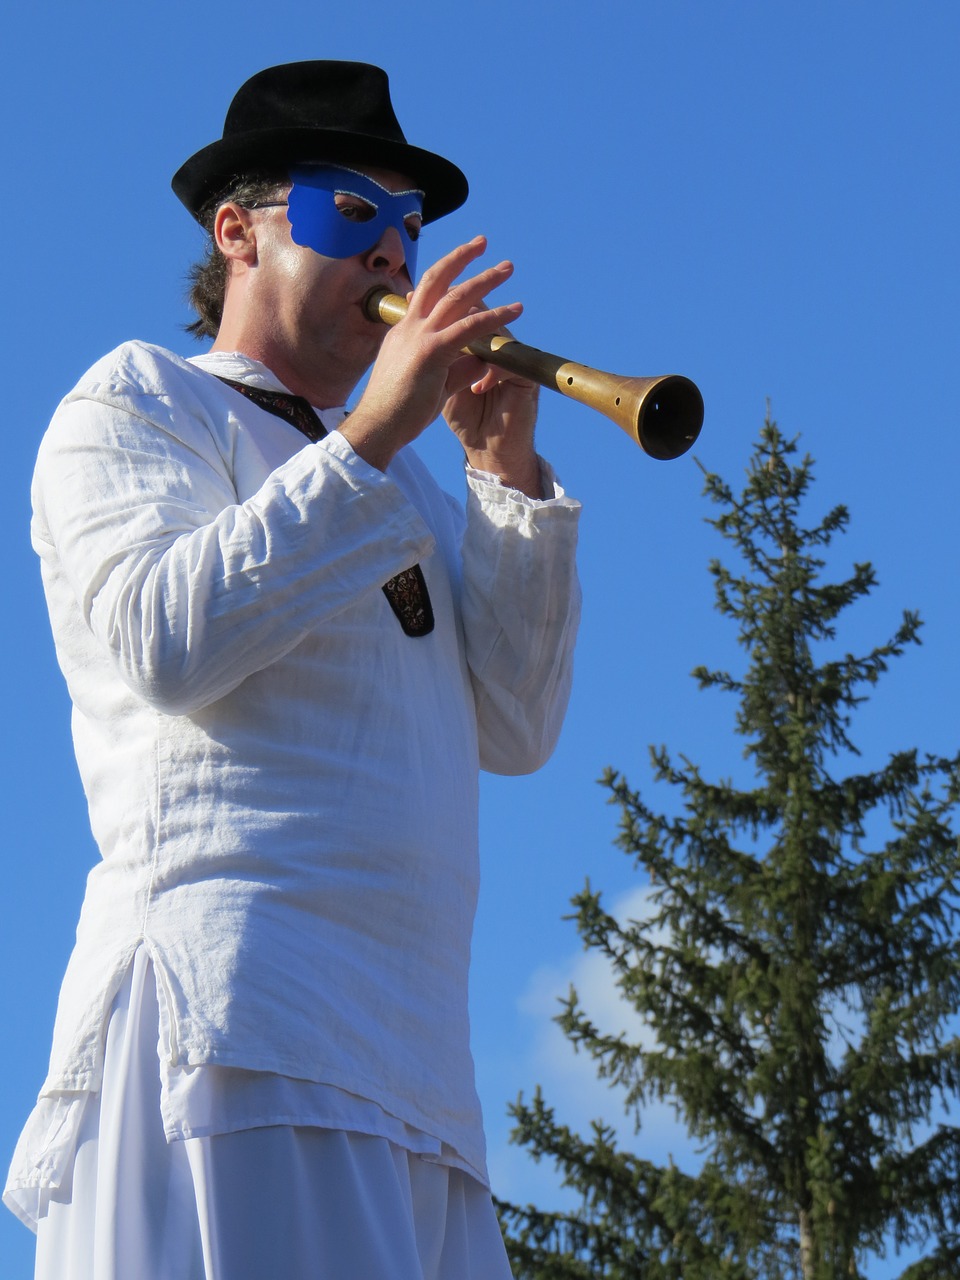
x,y
282,784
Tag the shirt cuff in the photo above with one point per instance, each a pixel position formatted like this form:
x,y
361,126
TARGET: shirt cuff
x,y
484,482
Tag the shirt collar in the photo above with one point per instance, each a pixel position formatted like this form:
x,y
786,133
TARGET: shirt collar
x,y
234,364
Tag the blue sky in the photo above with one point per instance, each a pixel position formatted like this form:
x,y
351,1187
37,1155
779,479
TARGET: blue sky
x,y
761,196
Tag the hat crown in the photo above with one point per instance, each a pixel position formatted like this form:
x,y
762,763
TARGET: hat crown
x,y
350,96
315,112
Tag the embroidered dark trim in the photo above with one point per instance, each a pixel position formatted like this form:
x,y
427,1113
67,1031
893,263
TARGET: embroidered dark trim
x,y
407,593
299,412
410,601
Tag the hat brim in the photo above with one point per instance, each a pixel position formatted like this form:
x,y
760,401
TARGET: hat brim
x,y
268,151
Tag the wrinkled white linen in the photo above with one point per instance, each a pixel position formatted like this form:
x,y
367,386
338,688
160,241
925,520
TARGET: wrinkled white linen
x,y
275,1201
282,784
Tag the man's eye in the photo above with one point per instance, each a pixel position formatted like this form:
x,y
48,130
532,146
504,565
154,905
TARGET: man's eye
x,y
354,208
413,223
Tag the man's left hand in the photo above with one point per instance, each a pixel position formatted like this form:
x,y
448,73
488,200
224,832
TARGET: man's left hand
x,y
494,418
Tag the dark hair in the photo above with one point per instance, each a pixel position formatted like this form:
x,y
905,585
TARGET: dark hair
x,y
208,277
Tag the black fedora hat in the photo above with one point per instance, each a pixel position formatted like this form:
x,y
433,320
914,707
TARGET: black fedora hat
x,y
315,111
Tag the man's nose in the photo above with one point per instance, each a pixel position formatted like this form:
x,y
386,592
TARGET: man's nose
x,y
388,254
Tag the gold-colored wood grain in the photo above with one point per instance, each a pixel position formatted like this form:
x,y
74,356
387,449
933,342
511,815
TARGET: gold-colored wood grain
x,y
663,415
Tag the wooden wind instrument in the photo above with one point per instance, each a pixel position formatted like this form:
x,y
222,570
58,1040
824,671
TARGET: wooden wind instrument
x,y
662,415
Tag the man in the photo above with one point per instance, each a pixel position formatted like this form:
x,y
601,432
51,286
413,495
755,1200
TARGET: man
x,y
288,655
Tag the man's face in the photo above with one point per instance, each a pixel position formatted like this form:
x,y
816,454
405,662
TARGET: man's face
x,y
313,302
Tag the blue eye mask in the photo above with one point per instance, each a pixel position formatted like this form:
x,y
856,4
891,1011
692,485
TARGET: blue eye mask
x,y
317,223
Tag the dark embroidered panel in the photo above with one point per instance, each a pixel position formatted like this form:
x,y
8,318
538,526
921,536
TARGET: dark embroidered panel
x,y
410,601
407,592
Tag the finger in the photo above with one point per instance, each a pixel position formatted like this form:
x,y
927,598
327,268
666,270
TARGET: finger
x,y
461,299
480,324
486,383
438,278
463,373
470,295
493,377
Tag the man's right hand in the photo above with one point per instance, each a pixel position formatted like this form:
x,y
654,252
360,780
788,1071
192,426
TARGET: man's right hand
x,y
421,363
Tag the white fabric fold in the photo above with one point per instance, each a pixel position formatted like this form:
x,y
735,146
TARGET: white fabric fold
x,y
269,1201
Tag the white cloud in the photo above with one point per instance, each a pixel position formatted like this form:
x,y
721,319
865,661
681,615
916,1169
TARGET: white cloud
x,y
569,1079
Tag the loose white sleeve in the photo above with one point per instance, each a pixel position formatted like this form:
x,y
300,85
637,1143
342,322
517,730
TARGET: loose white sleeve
x,y
521,609
189,588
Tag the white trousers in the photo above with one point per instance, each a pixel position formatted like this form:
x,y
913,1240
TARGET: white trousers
x,y
277,1203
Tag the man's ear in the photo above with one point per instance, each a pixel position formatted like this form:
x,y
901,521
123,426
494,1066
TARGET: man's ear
x,y
235,235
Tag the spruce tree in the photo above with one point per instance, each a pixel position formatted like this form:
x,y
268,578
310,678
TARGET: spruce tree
x,y
798,974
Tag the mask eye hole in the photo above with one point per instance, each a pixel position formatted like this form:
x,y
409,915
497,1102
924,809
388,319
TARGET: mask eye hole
x,y
413,223
354,208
